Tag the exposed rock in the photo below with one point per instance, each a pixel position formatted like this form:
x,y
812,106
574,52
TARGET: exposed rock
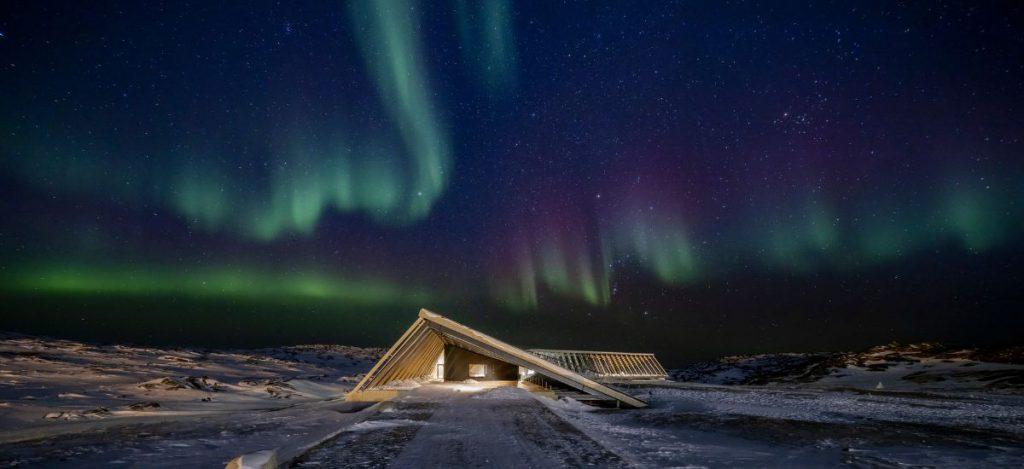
x,y
144,406
198,383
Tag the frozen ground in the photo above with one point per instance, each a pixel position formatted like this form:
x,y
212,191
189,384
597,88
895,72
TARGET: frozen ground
x,y
687,425
67,404
795,426
457,426
79,405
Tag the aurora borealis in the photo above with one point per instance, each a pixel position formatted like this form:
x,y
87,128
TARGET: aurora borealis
x,y
742,175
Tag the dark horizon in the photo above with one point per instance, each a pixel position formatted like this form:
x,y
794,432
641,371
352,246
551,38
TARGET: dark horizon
x,y
985,318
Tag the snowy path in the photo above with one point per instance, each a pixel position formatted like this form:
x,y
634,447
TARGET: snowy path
x,y
439,427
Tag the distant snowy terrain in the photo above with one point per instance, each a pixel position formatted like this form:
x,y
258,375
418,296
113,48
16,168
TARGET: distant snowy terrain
x,y
916,367
69,380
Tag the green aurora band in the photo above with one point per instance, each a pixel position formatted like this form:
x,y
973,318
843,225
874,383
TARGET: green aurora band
x,y
391,184
211,283
485,37
392,169
974,217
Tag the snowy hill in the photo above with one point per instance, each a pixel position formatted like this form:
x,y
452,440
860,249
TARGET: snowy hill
x,y
913,367
59,380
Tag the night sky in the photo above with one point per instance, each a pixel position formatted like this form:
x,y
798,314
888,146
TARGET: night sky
x,y
688,178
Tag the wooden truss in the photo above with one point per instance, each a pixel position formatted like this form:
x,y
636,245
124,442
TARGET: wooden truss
x,y
414,355
606,365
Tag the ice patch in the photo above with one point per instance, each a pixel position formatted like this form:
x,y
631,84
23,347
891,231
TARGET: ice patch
x,y
570,405
72,395
369,425
503,393
402,384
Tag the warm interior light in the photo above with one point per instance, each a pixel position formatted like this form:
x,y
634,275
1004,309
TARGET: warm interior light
x,y
439,367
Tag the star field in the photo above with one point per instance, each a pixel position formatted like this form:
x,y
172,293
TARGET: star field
x,y
748,175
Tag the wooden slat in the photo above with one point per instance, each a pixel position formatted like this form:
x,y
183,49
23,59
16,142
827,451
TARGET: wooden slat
x,y
621,364
650,365
605,364
386,358
631,366
641,364
609,364
422,356
394,366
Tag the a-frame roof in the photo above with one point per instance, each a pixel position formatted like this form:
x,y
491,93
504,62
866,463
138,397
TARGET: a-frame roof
x,y
414,355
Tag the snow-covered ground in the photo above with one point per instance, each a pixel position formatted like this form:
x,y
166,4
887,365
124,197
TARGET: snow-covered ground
x,y
69,404
687,425
462,425
889,406
709,425
81,404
